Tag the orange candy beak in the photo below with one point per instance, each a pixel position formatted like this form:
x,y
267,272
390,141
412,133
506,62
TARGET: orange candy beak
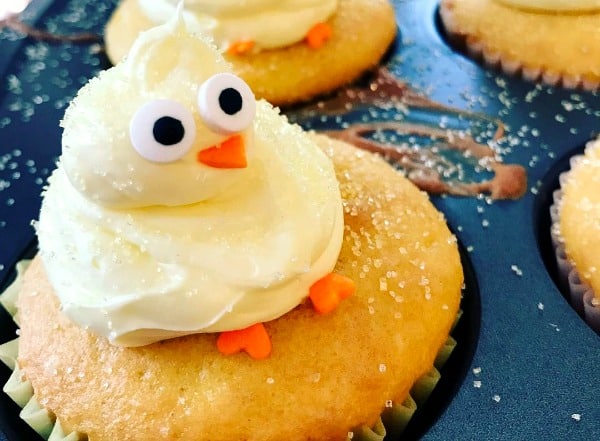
x,y
231,153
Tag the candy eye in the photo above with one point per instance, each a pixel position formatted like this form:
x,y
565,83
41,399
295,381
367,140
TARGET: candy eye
x,y
162,130
226,103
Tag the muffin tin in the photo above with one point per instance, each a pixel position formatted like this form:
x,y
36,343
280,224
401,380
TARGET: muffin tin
x,y
526,364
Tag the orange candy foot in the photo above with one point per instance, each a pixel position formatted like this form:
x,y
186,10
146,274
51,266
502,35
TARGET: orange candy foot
x,y
240,47
318,35
254,340
327,293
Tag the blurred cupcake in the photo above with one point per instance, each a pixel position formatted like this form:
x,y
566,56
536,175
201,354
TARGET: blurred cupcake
x,y
553,41
287,51
576,232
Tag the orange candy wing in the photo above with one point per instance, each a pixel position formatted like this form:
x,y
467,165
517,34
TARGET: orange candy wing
x,y
240,47
327,293
254,340
318,35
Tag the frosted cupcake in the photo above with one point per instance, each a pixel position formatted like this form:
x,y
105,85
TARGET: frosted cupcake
x,y
576,232
287,51
209,271
553,41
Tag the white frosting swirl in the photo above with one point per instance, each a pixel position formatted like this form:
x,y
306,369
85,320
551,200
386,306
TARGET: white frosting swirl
x,y
268,23
140,252
555,5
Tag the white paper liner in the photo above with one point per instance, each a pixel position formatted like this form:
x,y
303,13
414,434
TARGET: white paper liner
x,y
391,423
581,295
21,392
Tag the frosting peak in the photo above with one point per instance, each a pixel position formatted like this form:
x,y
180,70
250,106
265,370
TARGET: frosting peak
x,y
182,205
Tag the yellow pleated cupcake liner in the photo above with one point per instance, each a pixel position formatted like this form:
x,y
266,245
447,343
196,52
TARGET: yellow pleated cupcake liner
x,y
392,421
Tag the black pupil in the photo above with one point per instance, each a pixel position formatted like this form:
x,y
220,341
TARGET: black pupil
x,y
230,101
168,130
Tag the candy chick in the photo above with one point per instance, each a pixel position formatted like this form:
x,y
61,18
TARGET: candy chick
x,y
185,206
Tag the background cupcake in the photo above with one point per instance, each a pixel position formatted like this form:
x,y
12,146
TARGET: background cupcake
x,y
556,42
286,51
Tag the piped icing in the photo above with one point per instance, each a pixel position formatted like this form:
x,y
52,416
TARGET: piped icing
x,y
555,5
247,25
231,224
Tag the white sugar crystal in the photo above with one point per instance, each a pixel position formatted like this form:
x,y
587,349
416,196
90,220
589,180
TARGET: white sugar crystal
x,y
315,377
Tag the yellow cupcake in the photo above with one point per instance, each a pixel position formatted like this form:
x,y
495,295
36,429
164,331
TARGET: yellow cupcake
x,y
190,212
553,41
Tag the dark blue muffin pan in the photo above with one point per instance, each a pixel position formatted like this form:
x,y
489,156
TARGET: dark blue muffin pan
x,y
526,365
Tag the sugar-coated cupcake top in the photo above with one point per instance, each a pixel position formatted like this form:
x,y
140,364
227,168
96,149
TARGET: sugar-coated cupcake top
x,y
180,204
267,24
555,5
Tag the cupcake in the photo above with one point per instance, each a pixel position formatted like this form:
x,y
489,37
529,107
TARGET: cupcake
x,y
207,270
576,232
552,41
287,51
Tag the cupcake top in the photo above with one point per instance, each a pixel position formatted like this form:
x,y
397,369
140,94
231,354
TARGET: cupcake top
x,y
555,5
579,212
180,204
267,24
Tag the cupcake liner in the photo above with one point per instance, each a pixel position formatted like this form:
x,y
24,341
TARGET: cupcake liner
x,y
392,421
513,67
21,392
8,298
18,388
580,294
